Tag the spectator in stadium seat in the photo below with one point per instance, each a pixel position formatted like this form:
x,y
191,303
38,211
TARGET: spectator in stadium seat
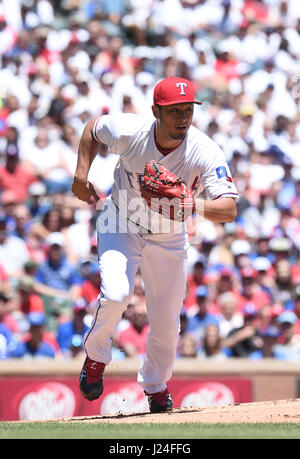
x,y
265,278
281,248
251,291
51,222
111,59
56,273
70,333
186,344
283,275
14,176
30,301
5,339
221,253
263,248
246,341
265,317
229,318
270,336
132,340
255,10
287,346
44,158
13,251
194,280
90,287
37,192
34,344
186,347
36,248
23,221
241,250
212,345
6,318
227,283
201,318
226,66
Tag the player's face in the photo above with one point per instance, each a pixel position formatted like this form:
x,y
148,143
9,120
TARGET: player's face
x,y
175,120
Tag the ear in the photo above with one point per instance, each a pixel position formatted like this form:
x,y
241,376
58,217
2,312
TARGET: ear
x,y
155,111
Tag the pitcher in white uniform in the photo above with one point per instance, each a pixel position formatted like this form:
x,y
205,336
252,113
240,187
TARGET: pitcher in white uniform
x,y
131,236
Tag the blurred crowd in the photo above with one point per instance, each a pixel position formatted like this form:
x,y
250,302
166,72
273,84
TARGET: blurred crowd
x,y
65,61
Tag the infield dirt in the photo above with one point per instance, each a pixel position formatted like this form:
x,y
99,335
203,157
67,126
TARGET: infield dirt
x,y
255,412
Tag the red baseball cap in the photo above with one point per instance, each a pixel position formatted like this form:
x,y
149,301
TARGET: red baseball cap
x,y
249,272
174,90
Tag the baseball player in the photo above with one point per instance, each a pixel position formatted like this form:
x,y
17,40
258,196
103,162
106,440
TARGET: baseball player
x,y
166,151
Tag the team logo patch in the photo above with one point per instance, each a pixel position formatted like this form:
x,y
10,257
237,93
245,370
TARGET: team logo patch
x,y
222,173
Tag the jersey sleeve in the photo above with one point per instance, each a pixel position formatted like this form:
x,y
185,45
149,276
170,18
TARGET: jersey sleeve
x,y
105,131
117,131
216,177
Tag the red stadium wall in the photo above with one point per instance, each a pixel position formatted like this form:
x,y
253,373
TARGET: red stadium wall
x,y
49,389
47,398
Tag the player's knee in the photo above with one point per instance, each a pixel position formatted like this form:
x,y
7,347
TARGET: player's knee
x,y
119,297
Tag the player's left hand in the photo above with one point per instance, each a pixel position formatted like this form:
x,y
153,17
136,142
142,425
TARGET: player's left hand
x,y
166,193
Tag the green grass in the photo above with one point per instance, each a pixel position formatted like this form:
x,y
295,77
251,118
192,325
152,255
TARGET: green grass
x,y
100,430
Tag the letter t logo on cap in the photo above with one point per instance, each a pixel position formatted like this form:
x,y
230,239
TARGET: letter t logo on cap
x,y
182,86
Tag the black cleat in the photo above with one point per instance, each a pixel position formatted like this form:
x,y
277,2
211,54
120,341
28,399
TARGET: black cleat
x,y
160,402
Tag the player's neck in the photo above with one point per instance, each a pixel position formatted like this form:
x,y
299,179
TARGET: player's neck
x,y
165,145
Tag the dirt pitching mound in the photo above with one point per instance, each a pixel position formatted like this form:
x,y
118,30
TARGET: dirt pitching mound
x,y
266,412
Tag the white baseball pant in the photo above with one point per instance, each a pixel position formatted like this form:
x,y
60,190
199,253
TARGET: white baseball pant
x,y
162,260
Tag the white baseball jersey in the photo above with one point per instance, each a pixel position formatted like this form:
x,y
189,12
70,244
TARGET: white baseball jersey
x,y
198,160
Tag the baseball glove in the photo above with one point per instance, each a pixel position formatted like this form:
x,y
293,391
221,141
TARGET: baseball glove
x,y
166,193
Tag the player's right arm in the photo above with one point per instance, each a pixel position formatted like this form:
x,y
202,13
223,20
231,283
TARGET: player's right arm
x,y
115,133
87,151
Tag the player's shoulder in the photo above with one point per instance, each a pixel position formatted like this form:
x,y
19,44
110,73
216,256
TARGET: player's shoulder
x,y
126,124
201,144
200,138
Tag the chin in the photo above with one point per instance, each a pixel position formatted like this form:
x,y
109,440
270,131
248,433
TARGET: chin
x,y
179,135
